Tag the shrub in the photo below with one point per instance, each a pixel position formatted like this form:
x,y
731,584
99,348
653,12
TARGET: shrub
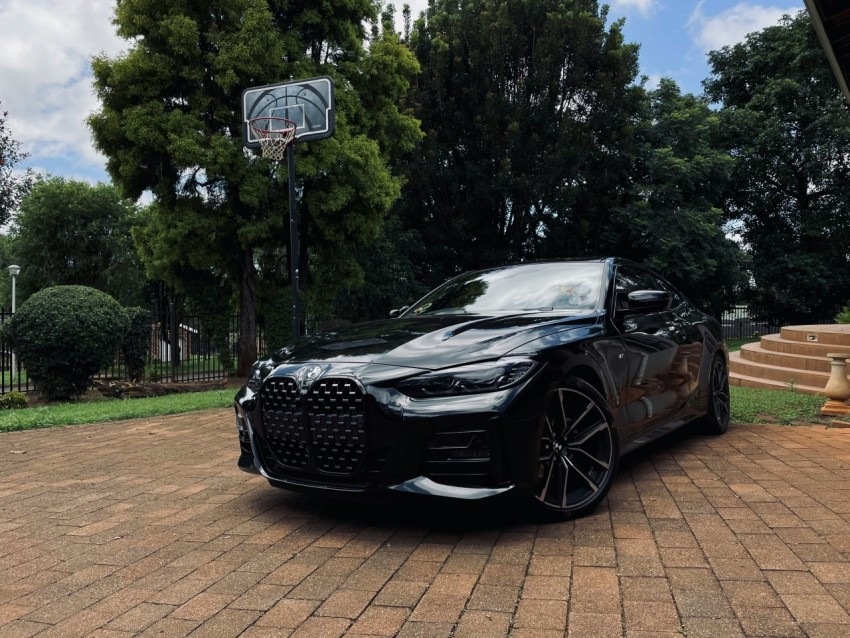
x,y
844,315
137,342
64,335
13,401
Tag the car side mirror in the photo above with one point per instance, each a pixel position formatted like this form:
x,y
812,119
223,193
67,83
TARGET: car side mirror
x,y
397,312
643,301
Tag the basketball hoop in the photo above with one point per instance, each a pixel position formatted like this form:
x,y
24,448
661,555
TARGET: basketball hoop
x,y
274,134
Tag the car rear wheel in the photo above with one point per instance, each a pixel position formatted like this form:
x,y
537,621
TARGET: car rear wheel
x,y
579,451
716,419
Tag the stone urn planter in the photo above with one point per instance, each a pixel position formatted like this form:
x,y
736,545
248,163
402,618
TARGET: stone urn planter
x,y
837,389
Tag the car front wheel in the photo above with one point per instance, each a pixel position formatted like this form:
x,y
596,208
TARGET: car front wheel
x,y
579,451
716,419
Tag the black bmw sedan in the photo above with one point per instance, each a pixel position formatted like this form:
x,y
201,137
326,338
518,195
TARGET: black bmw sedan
x,y
532,379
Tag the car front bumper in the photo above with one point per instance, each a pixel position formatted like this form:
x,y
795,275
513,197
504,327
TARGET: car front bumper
x,y
470,447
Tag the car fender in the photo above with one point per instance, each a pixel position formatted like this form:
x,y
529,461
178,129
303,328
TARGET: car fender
x,y
584,350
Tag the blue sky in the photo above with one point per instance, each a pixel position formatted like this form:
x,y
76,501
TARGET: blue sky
x,y
46,46
675,35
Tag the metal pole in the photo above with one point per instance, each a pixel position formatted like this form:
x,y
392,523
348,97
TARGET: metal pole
x,y
293,245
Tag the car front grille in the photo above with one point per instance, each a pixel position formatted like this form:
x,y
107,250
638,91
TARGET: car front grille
x,y
322,431
283,422
335,411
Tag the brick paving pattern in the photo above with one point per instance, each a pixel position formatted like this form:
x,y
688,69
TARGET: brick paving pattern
x,y
147,528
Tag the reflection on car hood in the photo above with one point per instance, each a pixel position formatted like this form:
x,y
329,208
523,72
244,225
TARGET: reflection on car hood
x,y
430,342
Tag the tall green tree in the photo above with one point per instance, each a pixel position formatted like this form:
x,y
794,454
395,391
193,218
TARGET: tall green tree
x,y
393,273
674,219
789,129
528,108
170,122
72,233
13,183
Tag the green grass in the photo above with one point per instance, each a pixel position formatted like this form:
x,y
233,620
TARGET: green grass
x,y
6,377
749,405
112,410
735,344
159,370
162,369
155,371
757,405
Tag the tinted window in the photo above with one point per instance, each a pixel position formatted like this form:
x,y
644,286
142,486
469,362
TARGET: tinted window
x,y
629,279
563,286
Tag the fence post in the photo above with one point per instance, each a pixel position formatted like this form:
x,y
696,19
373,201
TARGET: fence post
x,y
175,340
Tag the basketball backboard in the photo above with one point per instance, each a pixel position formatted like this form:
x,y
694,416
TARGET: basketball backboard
x,y
309,103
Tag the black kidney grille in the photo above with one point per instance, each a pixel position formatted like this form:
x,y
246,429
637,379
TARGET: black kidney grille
x,y
336,414
332,432
283,422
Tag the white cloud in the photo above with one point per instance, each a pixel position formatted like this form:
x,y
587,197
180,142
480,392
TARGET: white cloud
x,y
712,32
45,78
641,6
653,80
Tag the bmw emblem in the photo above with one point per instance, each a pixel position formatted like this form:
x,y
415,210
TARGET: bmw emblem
x,y
306,376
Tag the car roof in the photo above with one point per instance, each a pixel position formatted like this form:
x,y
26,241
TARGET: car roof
x,y
579,260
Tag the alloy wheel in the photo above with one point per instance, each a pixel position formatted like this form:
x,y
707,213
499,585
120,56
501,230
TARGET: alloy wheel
x,y
720,394
578,452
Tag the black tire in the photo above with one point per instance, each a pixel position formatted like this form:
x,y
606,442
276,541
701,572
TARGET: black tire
x,y
716,419
579,452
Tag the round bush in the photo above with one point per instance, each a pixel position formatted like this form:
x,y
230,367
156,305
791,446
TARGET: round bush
x,y
64,335
13,401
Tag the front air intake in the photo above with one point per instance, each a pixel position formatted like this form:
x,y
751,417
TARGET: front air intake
x,y
459,457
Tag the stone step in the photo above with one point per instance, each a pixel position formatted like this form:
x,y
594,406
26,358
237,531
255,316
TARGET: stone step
x,y
757,382
755,353
790,377
775,343
837,334
794,358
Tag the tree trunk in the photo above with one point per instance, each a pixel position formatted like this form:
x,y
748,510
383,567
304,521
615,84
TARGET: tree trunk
x,y
247,345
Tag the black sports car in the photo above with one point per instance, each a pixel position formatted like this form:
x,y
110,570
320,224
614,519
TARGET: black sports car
x,y
531,378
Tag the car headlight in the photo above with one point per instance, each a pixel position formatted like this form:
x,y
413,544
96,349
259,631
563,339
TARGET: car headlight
x,y
469,379
256,376
259,371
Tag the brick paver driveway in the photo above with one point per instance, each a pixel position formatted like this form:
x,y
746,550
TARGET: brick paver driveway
x,y
147,528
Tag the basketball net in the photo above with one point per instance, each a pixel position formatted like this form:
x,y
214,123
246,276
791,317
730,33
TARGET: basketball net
x,y
274,135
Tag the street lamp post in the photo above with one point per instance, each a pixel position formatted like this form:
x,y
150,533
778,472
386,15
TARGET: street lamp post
x,y
13,270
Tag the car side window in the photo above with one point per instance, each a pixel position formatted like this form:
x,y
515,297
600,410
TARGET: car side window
x,y
630,279
659,284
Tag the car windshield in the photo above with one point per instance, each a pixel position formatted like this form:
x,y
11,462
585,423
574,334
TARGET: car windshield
x,y
527,287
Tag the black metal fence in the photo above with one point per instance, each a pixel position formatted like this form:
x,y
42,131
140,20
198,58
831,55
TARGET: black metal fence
x,y
181,350
738,324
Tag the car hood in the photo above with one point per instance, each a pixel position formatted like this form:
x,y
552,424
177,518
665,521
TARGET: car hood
x,y
430,342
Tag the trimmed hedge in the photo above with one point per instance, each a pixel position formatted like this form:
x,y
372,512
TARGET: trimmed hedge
x,y
64,335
